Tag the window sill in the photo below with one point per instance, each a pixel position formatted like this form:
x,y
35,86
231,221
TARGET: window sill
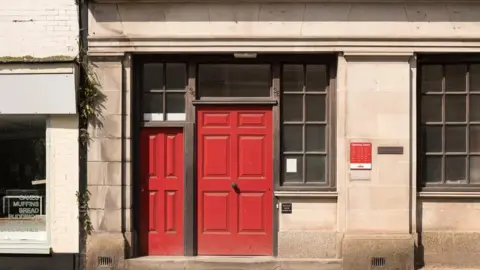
x,y
24,248
454,194
305,194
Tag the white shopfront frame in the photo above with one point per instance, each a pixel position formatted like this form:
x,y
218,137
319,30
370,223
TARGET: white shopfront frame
x,y
50,90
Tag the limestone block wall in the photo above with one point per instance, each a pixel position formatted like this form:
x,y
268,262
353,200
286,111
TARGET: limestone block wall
x,y
374,103
336,20
310,231
450,231
109,179
377,107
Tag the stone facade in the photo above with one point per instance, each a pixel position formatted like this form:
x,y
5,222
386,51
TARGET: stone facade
x,y
377,213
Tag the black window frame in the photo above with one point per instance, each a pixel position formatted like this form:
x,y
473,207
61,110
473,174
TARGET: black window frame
x,y
330,127
304,123
164,91
445,60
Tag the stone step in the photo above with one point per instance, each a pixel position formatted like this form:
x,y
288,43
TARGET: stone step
x,y
230,263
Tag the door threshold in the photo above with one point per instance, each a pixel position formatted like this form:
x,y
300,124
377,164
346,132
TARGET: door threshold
x,y
231,263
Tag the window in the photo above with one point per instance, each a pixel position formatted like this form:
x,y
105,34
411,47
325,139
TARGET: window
x,y
164,86
449,124
305,124
234,80
23,178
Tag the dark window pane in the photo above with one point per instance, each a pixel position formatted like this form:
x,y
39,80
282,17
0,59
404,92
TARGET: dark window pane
x,y
292,138
316,107
292,108
175,106
431,108
152,77
176,76
432,78
234,80
475,78
455,108
474,138
455,139
475,169
315,138
316,78
315,169
455,169
474,107
292,78
455,78
433,169
153,103
23,170
293,168
432,139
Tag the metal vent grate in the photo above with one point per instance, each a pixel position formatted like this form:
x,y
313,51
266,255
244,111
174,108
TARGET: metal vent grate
x,y
378,262
104,262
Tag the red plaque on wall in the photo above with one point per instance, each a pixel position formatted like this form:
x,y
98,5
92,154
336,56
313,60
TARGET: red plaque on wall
x,y
360,156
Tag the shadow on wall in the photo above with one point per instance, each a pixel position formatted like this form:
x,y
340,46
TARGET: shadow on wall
x,y
272,12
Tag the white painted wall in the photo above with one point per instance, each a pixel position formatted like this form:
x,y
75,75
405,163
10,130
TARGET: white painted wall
x,y
62,181
38,28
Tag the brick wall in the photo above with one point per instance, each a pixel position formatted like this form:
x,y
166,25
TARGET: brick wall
x,y
39,28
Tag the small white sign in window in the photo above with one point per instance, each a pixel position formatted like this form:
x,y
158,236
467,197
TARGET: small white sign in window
x,y
291,165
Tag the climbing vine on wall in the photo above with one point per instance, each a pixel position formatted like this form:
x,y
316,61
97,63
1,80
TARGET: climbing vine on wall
x,y
83,200
90,101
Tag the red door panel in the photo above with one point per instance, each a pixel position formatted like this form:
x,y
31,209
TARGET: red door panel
x,y
234,155
161,191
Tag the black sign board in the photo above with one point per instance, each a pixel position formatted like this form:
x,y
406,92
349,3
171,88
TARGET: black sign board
x,y
286,208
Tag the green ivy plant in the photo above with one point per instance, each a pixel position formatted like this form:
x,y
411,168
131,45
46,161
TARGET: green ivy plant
x,y
88,102
83,200
89,108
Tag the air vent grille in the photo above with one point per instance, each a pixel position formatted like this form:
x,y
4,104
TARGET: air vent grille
x,y
104,262
378,262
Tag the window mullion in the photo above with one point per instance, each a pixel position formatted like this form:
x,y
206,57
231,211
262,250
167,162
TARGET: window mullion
x,y
467,118
304,129
164,99
443,180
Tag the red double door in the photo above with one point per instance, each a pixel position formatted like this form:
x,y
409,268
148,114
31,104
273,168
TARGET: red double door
x,y
234,184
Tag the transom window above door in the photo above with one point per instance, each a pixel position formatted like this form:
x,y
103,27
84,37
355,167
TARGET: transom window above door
x,y
234,80
164,87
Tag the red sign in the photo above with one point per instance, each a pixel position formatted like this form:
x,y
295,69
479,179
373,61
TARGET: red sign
x,y
360,156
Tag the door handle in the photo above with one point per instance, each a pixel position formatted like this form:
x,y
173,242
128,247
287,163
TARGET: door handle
x,y
235,186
